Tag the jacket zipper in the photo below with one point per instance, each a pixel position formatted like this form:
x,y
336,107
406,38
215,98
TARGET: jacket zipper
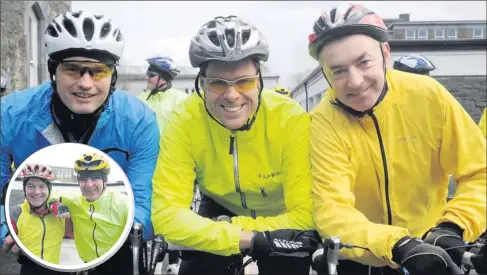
x,y
384,163
236,178
43,236
91,218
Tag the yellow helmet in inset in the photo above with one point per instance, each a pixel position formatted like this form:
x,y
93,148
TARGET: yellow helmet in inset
x,y
282,90
92,162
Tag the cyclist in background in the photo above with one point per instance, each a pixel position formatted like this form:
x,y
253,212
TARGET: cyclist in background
x,y
483,123
162,98
160,95
416,64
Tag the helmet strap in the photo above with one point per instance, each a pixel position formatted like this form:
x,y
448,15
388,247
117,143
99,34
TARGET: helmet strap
x,y
160,88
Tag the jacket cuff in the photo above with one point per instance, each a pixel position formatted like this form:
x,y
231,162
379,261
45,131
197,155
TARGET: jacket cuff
x,y
453,227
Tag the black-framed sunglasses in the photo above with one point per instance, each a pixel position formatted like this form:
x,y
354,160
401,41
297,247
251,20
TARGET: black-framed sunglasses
x,y
150,74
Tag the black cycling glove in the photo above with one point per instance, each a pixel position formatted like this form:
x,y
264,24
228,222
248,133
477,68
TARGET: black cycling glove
x,y
449,237
421,258
284,241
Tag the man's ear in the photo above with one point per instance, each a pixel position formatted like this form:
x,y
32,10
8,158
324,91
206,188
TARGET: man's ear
x,y
386,49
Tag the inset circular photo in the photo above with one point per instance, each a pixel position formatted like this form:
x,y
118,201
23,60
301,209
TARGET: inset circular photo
x,y
69,208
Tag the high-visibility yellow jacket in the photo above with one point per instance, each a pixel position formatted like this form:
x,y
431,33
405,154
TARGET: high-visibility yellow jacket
x,y
381,177
162,103
262,175
42,235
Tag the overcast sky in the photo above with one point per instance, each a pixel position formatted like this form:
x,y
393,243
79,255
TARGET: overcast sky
x,y
166,28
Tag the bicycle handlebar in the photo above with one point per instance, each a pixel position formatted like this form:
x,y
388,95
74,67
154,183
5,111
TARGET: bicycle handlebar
x,y
333,246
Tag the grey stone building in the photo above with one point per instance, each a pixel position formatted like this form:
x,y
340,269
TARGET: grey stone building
x,y
23,55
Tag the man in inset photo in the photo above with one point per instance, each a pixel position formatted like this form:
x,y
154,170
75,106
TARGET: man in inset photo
x,y
38,229
99,215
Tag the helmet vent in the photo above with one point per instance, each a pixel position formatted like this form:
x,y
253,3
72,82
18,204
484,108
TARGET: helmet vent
x,y
68,25
119,35
230,36
51,31
213,38
245,36
105,29
88,28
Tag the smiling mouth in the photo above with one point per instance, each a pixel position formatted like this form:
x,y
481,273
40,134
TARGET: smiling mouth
x,y
37,198
359,93
232,109
83,95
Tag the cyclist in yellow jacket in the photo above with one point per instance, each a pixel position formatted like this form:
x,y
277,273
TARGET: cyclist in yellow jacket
x,y
160,95
37,228
99,216
248,150
383,144
483,122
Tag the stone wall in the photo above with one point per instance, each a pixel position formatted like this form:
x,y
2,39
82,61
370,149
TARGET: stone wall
x,y
470,91
14,43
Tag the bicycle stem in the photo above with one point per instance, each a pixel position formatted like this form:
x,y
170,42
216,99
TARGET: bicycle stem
x,y
156,250
333,245
135,239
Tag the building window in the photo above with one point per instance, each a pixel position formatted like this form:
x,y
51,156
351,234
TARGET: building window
x,y
422,34
192,90
478,33
34,38
451,33
186,90
439,34
410,34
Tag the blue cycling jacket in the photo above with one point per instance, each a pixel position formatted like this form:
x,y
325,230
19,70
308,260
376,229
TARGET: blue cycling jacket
x,y
127,131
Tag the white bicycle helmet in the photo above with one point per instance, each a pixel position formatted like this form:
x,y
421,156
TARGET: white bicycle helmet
x,y
227,39
416,64
83,30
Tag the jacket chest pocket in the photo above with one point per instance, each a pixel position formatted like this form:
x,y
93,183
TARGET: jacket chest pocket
x,y
267,184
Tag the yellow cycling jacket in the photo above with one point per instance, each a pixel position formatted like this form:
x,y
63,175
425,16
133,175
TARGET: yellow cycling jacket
x,y
97,225
374,184
162,103
261,175
42,235
483,122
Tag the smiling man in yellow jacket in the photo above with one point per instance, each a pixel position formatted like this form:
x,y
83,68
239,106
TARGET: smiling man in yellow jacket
x,y
248,149
383,144
37,228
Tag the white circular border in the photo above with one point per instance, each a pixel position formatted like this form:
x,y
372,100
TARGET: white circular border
x,y
104,257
